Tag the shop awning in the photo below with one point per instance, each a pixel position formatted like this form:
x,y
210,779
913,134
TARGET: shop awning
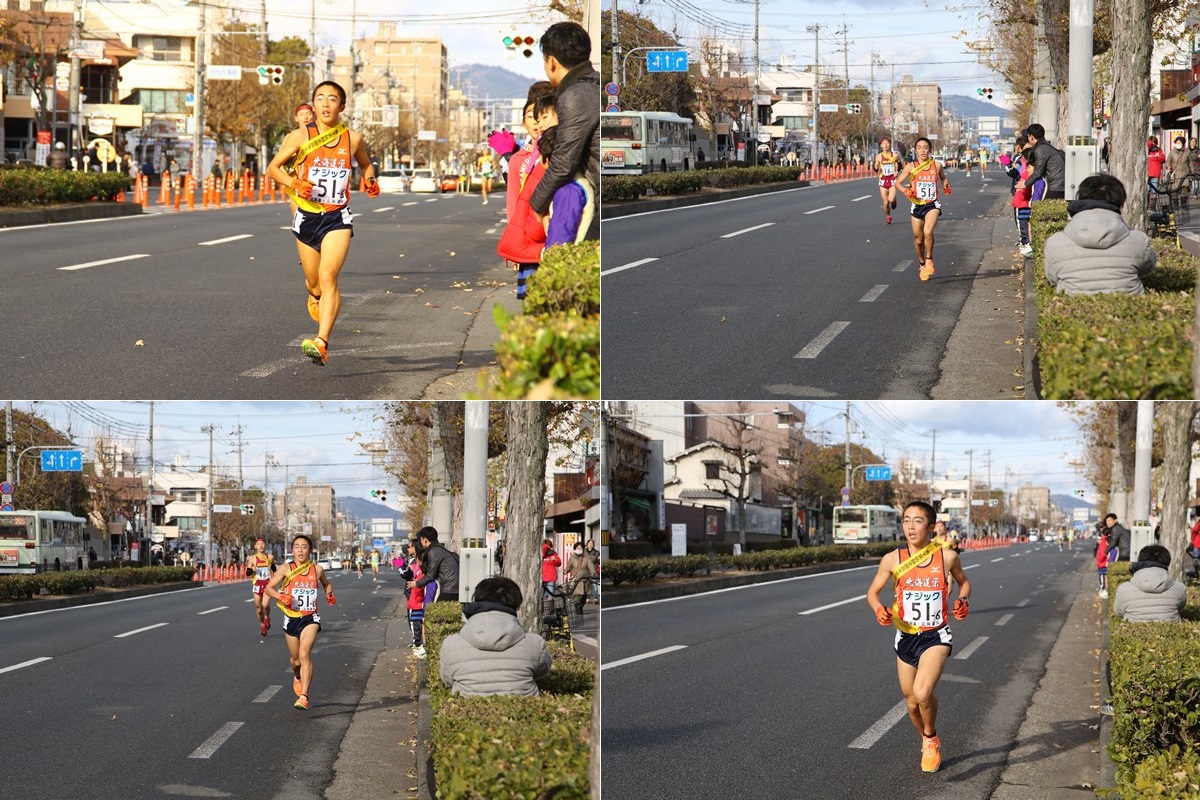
x,y
1168,106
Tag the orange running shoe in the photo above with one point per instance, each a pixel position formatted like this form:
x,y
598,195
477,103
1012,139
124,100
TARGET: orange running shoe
x,y
927,269
313,309
317,349
296,686
931,753
302,704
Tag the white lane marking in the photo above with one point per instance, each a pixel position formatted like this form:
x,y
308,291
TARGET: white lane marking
x,y
1023,603
430,199
385,208
269,369
958,678
96,605
864,197
140,630
833,605
411,203
644,656
213,610
491,230
251,599
819,210
588,640
24,664
971,648
814,348
700,206
228,239
994,560
1004,620
747,230
903,265
103,261
874,733
216,740
873,295
972,566
761,585
266,694
624,267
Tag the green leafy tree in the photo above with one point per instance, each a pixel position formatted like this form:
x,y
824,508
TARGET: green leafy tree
x,y
61,491
643,90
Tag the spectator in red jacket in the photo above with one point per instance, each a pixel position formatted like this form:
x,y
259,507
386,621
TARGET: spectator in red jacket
x,y
1156,159
550,564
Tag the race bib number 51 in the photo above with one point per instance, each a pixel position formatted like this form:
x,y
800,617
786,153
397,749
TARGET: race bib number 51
x,y
926,190
329,184
304,599
923,609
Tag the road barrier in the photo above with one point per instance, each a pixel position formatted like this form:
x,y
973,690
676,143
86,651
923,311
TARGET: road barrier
x,y
984,544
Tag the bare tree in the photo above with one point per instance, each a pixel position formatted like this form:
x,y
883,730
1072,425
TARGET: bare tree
x,y
740,464
1179,437
528,446
1132,44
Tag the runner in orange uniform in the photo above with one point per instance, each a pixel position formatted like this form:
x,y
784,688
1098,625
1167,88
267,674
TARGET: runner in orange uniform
x,y
887,165
920,576
924,175
322,156
295,587
261,565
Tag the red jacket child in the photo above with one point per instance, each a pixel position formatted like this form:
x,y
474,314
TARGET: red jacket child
x,y
524,237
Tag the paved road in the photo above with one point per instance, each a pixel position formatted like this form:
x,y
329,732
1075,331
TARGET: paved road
x,y
802,293
788,689
211,305
174,695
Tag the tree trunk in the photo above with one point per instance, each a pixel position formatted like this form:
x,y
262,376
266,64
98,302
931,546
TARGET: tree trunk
x,y
527,451
451,417
1132,42
1178,437
594,767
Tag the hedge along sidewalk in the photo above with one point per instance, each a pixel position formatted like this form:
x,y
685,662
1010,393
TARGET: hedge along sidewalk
x,y
1156,700
1114,346
543,743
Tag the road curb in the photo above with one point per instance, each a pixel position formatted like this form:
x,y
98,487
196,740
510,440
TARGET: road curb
x,y
426,782
19,217
29,606
478,353
614,210
612,597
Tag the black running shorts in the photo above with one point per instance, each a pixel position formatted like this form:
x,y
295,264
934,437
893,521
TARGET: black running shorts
x,y
311,228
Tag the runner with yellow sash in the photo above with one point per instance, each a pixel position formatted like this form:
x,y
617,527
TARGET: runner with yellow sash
x,y
296,589
920,574
925,174
314,164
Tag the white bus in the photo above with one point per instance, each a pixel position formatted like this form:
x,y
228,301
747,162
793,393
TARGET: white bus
x,y
858,524
41,541
637,142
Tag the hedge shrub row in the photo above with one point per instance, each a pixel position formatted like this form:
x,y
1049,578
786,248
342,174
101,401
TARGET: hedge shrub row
x,y
25,587
637,570
631,187
552,350
1156,700
515,747
1114,345
33,186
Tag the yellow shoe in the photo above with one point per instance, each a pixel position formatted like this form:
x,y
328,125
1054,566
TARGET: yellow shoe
x,y
931,754
317,349
313,309
302,704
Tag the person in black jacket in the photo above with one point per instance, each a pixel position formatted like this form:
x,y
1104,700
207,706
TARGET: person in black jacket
x,y
440,565
1049,163
566,50
1118,536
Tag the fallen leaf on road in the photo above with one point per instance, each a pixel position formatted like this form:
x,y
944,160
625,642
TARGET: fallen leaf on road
x,y
431,305
139,343
451,252
722,319
419,291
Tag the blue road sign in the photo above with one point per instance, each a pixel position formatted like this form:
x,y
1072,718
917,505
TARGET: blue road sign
x,y
7,507
613,109
879,473
985,141
667,61
612,89
6,488
62,461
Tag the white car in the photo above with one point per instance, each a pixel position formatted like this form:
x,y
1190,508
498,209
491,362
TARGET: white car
x,y
392,180
423,180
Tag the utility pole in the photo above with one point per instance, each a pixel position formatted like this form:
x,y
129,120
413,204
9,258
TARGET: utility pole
x,y
847,483
10,442
616,44
970,486
815,30
198,98
754,95
150,481
75,146
208,559
988,453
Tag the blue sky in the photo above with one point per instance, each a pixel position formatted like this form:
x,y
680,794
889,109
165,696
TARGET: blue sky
x,y
918,38
1035,440
320,440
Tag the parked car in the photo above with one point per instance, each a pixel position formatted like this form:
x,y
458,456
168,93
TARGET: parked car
x,y
423,181
449,183
392,180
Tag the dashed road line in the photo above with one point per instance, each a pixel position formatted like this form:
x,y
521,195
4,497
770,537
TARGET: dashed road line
x,y
874,733
227,239
1023,603
213,610
856,199
140,630
24,664
971,648
216,740
903,265
643,656
994,560
1004,620
74,267
814,348
873,295
266,694
833,605
411,203
747,230
624,267
819,210
385,208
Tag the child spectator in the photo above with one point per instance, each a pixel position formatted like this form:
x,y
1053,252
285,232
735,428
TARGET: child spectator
x,y
571,208
523,238
1105,555
416,599
492,654
1020,170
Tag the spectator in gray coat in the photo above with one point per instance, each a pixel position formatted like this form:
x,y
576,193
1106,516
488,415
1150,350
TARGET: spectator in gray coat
x,y
1150,595
493,654
1097,252
566,50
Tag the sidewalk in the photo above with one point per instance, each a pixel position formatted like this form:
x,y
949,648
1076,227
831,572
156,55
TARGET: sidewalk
x,y
477,356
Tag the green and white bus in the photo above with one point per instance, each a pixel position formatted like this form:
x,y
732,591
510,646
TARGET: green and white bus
x,y
41,541
637,142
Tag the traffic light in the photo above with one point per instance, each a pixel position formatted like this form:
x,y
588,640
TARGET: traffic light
x,y
855,108
380,495
270,73
520,44
248,509
985,92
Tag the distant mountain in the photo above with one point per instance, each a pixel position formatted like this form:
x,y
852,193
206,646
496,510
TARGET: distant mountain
x,y
366,509
482,81
965,106
1068,503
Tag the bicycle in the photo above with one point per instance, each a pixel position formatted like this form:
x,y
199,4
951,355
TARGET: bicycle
x,y
1167,207
558,614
